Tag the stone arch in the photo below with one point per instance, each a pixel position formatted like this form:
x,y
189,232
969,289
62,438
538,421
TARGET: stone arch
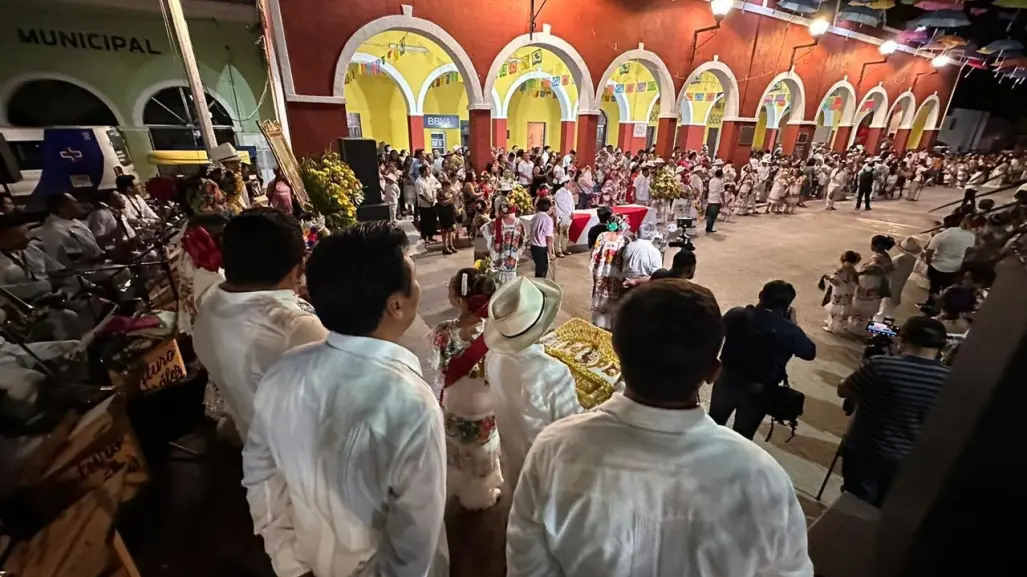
x,y
727,82
652,104
797,96
772,118
564,51
712,106
654,64
878,94
422,94
624,111
413,103
849,103
13,84
150,91
932,113
906,121
566,109
685,110
419,26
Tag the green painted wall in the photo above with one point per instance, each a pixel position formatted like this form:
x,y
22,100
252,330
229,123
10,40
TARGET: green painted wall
x,y
230,63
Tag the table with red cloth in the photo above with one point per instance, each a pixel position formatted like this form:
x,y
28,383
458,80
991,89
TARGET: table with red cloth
x,y
583,220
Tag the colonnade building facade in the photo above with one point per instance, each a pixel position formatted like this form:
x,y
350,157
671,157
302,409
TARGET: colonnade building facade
x,y
762,79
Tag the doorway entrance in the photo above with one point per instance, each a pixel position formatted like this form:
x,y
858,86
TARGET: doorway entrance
x,y
536,135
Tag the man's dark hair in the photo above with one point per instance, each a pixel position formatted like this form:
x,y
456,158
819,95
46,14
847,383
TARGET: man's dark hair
x,y
54,202
260,247
573,151
777,294
543,204
352,273
124,182
667,334
719,173
924,332
683,259
604,214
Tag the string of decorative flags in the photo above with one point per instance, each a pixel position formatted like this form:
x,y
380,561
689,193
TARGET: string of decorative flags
x,y
375,68
521,63
703,96
776,99
613,89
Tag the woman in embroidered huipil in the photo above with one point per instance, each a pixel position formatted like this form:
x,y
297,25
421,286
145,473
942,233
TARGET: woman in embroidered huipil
x,y
473,472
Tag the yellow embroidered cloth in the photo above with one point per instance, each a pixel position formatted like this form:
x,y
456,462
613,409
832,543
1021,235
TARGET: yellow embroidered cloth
x,y
588,351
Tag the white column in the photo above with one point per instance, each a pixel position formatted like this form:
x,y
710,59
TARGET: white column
x,y
192,73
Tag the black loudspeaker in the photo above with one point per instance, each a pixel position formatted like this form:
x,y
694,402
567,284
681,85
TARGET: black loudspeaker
x,y
9,171
361,154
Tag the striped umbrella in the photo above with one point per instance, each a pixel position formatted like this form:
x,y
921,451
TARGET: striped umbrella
x,y
859,15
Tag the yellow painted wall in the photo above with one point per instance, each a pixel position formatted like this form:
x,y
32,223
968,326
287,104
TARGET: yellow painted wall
x,y
526,108
638,102
828,117
707,83
919,121
612,121
446,99
382,109
761,129
715,119
551,66
414,64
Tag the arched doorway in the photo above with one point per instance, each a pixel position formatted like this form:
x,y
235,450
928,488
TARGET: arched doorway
x,y
645,77
871,113
926,119
636,93
52,102
170,118
710,84
785,93
538,96
901,114
836,110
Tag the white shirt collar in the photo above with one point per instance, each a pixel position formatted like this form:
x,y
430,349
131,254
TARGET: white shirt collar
x,y
641,416
374,348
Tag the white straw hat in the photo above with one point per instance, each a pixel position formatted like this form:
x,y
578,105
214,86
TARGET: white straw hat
x,y
520,312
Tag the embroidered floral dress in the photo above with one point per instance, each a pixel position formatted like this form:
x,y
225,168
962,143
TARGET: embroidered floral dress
x,y
607,265
870,289
843,288
473,472
507,251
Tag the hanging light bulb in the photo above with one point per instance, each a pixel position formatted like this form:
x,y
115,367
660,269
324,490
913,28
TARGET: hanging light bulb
x,y
889,47
818,27
940,61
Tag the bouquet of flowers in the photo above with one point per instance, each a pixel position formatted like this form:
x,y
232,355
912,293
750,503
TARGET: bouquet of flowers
x,y
521,200
334,189
666,187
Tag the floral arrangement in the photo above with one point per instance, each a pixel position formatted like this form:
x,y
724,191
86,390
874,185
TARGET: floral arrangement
x,y
666,187
334,189
521,200
313,228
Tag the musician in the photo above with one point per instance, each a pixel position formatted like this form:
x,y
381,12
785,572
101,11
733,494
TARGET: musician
x,y
108,222
66,238
136,211
30,274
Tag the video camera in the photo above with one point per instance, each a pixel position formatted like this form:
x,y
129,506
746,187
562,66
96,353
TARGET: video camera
x,y
880,335
686,232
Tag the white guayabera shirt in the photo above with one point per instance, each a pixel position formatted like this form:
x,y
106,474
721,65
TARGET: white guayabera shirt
x,y
345,465
632,490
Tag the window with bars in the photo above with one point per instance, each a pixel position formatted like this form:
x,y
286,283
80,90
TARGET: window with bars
x,y
171,119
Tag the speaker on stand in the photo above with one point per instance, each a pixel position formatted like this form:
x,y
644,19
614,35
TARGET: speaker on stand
x,y
9,171
361,154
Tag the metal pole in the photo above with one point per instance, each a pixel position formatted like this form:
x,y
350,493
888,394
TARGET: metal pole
x,y
192,73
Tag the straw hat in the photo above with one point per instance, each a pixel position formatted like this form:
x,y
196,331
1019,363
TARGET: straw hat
x,y
224,152
910,245
520,312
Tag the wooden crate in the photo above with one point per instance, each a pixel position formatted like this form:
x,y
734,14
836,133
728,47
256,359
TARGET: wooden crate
x,y
154,370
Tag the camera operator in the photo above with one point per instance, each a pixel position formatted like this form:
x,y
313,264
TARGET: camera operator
x,y
893,396
758,343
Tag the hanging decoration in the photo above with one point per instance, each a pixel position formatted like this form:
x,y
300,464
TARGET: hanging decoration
x,y
942,19
859,15
937,5
1000,46
799,6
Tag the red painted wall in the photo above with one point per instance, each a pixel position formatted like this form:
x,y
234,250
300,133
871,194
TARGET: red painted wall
x,y
755,47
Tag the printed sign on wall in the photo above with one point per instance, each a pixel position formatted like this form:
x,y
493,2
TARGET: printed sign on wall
x,y
443,121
